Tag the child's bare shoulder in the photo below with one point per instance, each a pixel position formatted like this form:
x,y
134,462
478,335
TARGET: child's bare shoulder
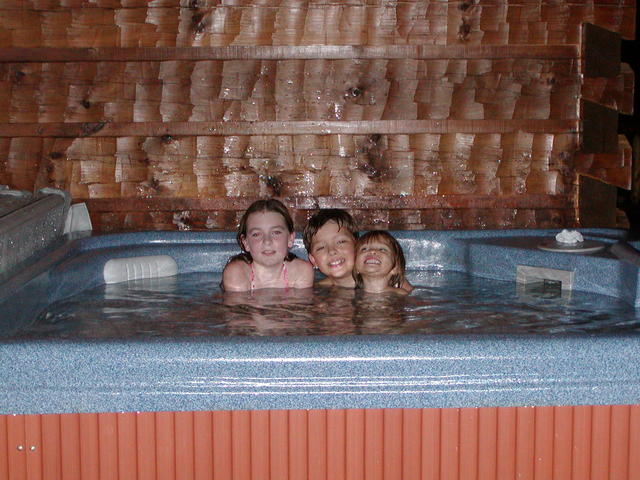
x,y
301,264
397,291
236,276
301,273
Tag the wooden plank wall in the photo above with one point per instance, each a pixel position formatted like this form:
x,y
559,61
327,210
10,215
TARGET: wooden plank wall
x,y
176,114
528,443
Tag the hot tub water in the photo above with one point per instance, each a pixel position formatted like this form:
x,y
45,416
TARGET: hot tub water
x,y
442,303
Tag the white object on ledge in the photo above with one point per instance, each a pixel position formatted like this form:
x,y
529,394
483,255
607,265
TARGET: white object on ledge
x,y
119,270
571,241
569,237
78,219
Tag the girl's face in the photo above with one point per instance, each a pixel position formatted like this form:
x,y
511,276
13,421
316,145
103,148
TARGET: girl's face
x,y
267,240
375,259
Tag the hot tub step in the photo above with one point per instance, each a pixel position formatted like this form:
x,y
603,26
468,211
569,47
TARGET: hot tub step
x,y
526,274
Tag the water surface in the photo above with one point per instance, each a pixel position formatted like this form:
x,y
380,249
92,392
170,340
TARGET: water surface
x,y
442,302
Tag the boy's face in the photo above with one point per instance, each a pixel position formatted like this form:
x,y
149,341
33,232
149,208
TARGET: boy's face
x,y
332,251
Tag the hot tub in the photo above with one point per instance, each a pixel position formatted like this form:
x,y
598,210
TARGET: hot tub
x,y
480,405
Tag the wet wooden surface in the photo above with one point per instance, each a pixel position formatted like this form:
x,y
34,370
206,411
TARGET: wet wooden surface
x,y
417,114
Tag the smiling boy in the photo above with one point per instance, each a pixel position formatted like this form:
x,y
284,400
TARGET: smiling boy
x,y
330,237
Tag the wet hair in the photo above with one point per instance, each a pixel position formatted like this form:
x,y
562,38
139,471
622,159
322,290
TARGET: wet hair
x,y
266,205
321,217
397,279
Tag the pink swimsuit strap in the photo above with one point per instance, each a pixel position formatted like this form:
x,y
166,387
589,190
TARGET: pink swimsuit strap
x,y
285,277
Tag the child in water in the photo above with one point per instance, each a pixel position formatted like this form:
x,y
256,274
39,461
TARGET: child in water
x,y
330,239
265,235
379,264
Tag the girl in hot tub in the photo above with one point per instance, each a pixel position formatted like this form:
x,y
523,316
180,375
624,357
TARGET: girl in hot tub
x,y
265,235
379,264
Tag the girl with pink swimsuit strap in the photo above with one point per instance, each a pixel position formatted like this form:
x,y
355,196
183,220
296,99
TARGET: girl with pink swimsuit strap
x,y
265,235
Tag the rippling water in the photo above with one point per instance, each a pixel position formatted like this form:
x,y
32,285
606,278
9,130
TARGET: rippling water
x,y
443,302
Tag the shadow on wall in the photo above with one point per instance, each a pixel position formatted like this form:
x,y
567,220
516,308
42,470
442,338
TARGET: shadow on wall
x,y
629,200
629,125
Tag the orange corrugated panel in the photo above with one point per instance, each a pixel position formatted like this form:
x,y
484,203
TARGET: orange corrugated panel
x,y
374,443
525,442
33,448
634,441
16,441
108,446
506,443
298,445
450,444
222,466
393,444
431,443
165,445
317,444
581,461
619,466
241,444
89,450
336,444
543,439
184,444
562,444
468,443
487,443
411,442
146,445
354,461
4,448
279,442
203,448
600,442
126,439
260,444
536,443
70,446
51,448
